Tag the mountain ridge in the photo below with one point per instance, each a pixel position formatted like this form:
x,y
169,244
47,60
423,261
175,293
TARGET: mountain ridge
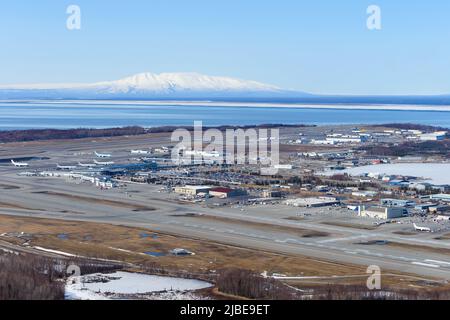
x,y
150,85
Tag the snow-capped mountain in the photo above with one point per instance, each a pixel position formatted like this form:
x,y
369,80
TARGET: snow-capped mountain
x,y
150,86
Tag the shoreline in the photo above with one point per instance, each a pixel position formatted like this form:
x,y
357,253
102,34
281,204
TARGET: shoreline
x,y
223,104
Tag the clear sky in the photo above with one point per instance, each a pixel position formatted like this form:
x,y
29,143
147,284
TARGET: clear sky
x,y
318,46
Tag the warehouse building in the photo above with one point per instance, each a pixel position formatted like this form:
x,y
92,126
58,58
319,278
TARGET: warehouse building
x,y
313,202
435,136
441,197
192,190
347,139
397,203
272,194
384,213
225,193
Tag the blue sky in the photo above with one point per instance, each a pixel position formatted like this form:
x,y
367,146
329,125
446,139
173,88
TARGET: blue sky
x,y
319,46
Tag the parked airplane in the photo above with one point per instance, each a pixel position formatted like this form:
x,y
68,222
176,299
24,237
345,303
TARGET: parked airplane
x,y
102,155
87,165
139,152
146,159
104,163
66,167
19,164
421,229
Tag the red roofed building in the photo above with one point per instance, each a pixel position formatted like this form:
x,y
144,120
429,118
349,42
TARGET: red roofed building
x,y
221,192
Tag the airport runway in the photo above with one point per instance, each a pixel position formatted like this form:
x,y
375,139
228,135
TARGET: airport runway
x,y
239,228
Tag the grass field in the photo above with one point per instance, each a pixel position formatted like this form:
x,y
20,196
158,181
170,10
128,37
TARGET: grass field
x,y
130,245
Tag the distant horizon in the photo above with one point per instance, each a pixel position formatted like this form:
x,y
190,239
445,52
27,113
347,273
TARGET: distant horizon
x,y
71,85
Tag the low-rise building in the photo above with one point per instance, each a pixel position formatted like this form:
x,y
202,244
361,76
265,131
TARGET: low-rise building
x,y
435,136
346,139
419,186
272,194
313,202
192,190
440,197
322,188
424,207
322,142
284,166
364,194
224,193
397,203
385,213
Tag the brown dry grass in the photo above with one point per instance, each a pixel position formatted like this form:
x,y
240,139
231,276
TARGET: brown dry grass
x,y
97,240
16,206
103,240
98,201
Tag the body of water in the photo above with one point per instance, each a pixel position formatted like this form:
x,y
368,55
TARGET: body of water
x,y
75,115
436,173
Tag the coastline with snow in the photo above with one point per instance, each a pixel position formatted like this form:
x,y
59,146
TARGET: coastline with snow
x,y
231,104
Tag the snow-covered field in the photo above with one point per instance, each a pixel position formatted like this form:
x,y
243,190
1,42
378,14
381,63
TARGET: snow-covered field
x,y
120,284
436,173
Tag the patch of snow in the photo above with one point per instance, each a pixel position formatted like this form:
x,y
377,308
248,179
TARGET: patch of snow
x,y
127,251
101,286
62,253
9,251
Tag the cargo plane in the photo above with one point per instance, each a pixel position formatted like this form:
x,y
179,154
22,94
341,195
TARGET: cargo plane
x,y
102,155
421,229
87,165
140,152
108,163
19,164
66,167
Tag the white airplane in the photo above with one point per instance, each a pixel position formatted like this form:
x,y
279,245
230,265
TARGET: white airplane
x,y
156,159
19,164
87,165
65,167
421,229
139,152
102,155
104,163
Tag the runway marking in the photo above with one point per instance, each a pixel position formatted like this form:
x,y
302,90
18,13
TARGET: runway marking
x,y
425,264
344,239
438,262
